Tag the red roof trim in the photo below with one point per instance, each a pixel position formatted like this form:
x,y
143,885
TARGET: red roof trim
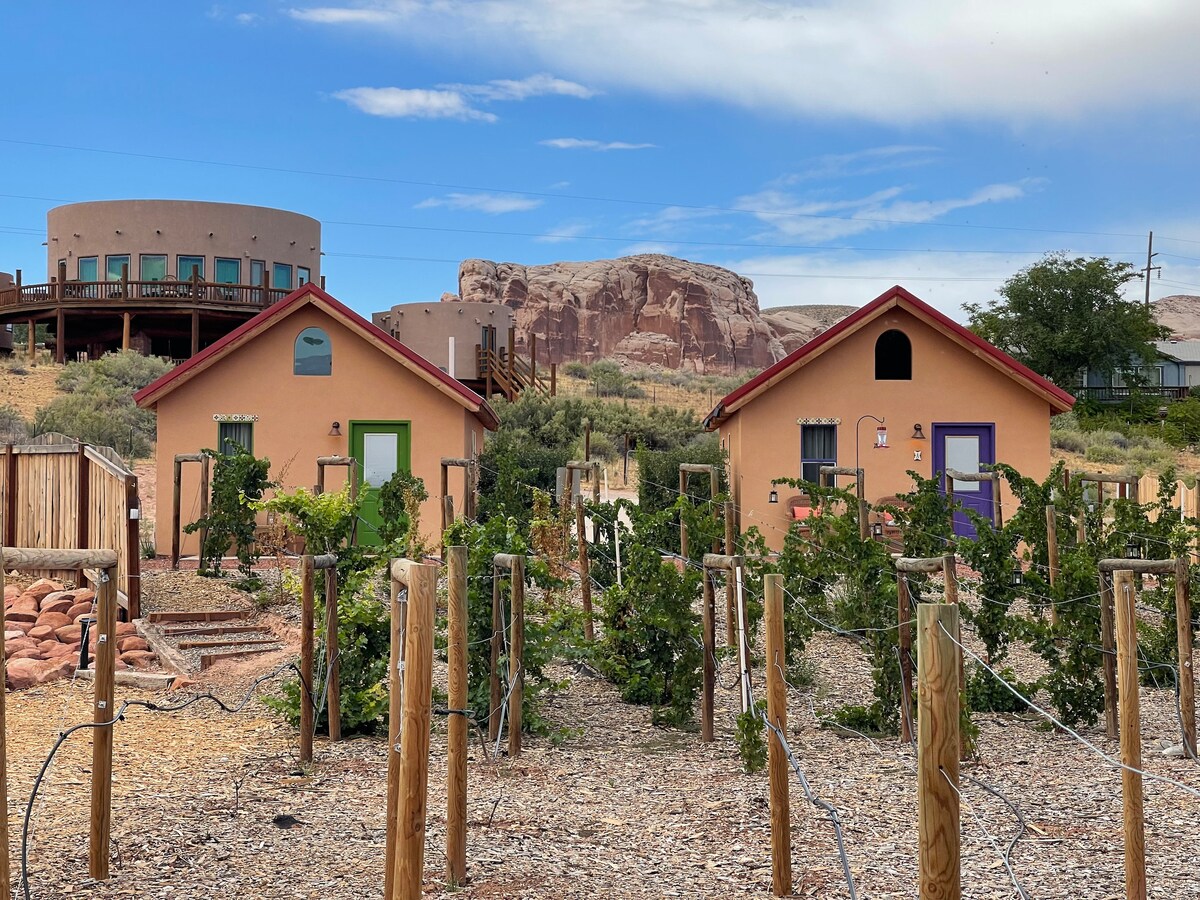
x,y
894,296
306,294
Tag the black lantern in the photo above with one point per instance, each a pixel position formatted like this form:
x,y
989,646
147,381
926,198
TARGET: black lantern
x,y
877,530
773,497
1017,577
1133,549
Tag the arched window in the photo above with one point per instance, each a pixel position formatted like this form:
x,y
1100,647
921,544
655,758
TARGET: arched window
x,y
314,353
893,357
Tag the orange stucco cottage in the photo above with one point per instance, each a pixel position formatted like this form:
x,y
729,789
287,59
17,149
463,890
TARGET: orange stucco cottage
x,y
308,377
946,398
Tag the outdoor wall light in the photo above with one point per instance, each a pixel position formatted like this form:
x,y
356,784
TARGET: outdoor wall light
x,y
336,430
773,497
881,438
877,530
918,433
1133,549
1017,578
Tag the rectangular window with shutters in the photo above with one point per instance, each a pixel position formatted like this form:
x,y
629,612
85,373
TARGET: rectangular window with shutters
x,y
818,447
231,433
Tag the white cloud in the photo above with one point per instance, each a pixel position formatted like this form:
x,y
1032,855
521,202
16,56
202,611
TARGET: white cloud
x,y
456,101
414,103
247,18
875,60
871,161
344,15
588,144
540,85
493,204
564,231
823,220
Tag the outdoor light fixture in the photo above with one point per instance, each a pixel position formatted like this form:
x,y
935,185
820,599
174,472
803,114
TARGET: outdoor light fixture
x,y
918,433
877,530
1133,549
1017,578
773,497
336,430
881,437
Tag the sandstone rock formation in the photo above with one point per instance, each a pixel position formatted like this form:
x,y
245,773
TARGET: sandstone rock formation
x,y
1180,313
648,309
797,325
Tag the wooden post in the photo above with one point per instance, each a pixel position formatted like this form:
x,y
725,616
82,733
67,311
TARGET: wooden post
x,y
730,598
587,440
585,568
937,753
497,694
553,379
1131,737
175,523
395,712
1183,637
5,874
1052,552
308,707
124,281
683,535
12,489
777,761
516,654
195,329
414,735
950,571
332,664
205,500
102,739
533,361
1109,659
126,328
133,562
512,353
60,335
32,342
709,643
444,491
904,619
456,726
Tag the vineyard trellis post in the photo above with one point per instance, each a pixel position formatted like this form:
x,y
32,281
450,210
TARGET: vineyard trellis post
x,y
515,696
575,469
828,476
938,744
1131,739
905,566
308,704
714,486
585,569
1052,555
953,475
333,689
731,565
470,489
731,598
407,817
456,738
351,466
1110,641
176,490
398,614
777,762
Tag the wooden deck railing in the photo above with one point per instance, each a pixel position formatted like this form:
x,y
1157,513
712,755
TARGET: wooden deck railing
x,y
1117,394
90,292
508,373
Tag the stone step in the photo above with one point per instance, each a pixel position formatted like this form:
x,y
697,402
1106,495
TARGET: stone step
x,y
210,659
211,615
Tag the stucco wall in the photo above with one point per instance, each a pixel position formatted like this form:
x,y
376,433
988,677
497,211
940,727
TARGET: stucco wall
x,y
296,412
949,384
173,227
426,328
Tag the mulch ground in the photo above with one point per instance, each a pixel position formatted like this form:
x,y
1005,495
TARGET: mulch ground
x,y
613,807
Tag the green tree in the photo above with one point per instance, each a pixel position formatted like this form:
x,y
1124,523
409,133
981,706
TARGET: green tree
x,y
1063,314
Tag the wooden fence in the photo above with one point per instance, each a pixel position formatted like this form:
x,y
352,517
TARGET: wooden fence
x,y
56,492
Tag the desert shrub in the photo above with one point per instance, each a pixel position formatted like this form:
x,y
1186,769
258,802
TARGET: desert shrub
x,y
98,407
13,427
575,369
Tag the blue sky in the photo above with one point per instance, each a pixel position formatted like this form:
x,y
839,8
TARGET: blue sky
x,y
825,150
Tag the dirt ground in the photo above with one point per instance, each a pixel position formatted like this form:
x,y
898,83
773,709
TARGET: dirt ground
x,y
28,388
611,807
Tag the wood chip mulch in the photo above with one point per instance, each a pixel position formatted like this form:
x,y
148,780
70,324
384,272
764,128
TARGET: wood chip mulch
x,y
616,807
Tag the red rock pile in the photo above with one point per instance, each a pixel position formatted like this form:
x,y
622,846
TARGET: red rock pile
x,y
43,634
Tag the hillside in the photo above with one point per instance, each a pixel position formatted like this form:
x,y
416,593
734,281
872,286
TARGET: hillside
x,y
1180,313
28,388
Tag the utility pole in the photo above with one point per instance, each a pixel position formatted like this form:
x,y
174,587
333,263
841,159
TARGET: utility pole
x,y
1150,267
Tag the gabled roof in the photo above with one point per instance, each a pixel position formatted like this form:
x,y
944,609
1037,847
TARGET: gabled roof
x,y
311,295
1181,351
1059,400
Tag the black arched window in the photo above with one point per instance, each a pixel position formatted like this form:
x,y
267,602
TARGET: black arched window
x,y
893,357
314,355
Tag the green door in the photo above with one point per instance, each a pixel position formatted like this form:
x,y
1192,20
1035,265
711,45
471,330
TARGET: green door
x,y
380,450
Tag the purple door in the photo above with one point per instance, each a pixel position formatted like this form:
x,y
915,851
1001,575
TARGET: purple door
x,y
965,448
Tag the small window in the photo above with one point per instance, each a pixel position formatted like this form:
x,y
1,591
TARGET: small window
x,y
303,276
185,264
88,269
152,268
228,271
818,447
281,276
1139,376
231,435
258,271
113,264
314,353
893,357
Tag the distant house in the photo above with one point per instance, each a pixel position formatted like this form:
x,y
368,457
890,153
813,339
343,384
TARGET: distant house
x,y
1170,375
947,398
305,378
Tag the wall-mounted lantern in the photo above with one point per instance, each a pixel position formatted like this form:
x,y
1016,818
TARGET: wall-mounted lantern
x,y
336,430
773,497
1017,577
877,530
881,438
918,432
1133,549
